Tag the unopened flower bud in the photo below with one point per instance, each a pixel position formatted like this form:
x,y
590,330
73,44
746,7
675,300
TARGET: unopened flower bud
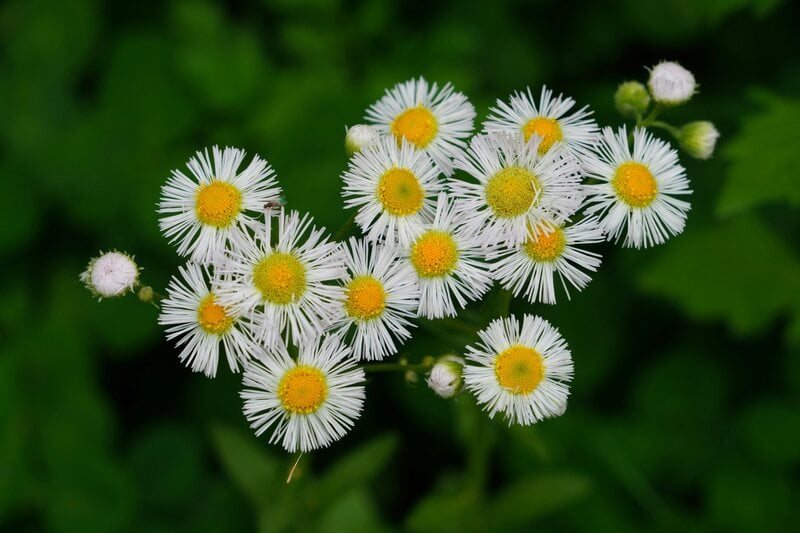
x,y
631,99
699,138
445,376
359,137
671,84
146,294
110,275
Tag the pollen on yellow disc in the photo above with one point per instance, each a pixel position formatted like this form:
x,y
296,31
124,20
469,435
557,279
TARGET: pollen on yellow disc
x,y
399,192
280,277
218,203
512,191
302,390
212,317
519,369
417,125
434,254
366,298
635,184
546,247
546,128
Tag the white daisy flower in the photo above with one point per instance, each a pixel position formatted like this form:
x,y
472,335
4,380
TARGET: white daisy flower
x,y
201,325
517,188
378,296
671,84
434,120
550,119
289,276
306,404
637,196
110,275
394,188
522,372
448,264
530,268
216,204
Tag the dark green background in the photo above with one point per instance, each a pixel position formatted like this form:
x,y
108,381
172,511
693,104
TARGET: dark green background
x,y
684,413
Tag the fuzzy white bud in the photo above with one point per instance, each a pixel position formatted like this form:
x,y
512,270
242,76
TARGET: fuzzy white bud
x,y
110,275
699,138
445,376
359,137
671,84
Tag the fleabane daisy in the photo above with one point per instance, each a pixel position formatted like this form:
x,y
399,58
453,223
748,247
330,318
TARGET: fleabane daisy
x,y
448,263
516,187
378,296
212,206
308,403
432,119
394,188
287,275
521,371
637,196
200,325
530,267
552,119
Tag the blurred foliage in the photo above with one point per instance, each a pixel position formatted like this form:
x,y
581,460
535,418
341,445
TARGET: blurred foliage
x,y
684,413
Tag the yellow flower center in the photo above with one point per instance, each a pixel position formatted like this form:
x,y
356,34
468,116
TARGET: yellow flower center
x,y
399,192
635,184
280,277
212,317
302,390
434,254
519,369
366,298
218,203
417,125
546,128
546,247
512,191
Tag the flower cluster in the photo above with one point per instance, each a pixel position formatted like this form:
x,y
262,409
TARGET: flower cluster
x,y
444,213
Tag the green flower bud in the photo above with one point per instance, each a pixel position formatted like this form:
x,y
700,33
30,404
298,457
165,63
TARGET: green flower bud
x,y
699,138
632,99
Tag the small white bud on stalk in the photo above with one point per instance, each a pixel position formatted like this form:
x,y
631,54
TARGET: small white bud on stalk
x,y
110,275
359,137
445,376
671,84
699,138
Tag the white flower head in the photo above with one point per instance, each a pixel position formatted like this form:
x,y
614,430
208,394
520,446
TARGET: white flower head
x,y
308,403
671,84
435,120
287,275
110,275
699,138
200,325
445,377
359,137
394,189
531,268
378,297
515,187
552,119
216,203
448,262
637,199
520,370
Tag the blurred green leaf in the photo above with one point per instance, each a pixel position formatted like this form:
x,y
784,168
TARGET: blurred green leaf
x,y
445,512
354,512
771,430
527,500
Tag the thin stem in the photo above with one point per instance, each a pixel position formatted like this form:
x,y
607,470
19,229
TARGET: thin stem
x,y
675,132
345,229
396,367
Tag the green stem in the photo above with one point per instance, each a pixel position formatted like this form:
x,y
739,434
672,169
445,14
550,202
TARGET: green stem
x,y
345,229
675,132
651,117
426,364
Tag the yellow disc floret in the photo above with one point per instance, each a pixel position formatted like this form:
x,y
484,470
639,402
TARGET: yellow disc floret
x,y
546,128
218,203
366,298
519,369
399,192
302,390
417,125
280,277
512,191
434,254
212,317
546,247
635,184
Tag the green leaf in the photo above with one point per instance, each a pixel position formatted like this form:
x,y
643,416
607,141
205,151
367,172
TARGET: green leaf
x,y
530,499
764,159
771,430
444,511
355,512
739,271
